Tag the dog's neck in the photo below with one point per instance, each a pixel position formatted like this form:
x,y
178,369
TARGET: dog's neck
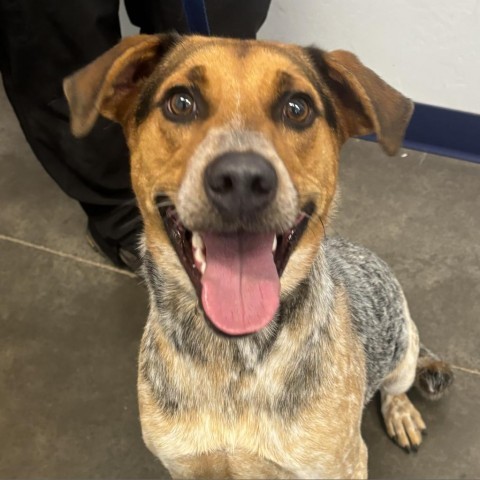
x,y
177,314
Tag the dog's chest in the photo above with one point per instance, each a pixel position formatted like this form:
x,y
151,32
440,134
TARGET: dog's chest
x,y
290,406
241,377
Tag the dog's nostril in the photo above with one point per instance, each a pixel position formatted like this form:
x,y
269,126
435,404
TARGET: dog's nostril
x,y
221,184
261,185
239,183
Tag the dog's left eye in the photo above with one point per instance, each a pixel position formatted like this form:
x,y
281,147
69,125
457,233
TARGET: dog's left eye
x,y
298,111
180,106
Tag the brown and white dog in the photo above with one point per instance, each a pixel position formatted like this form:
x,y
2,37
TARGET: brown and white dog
x,y
265,338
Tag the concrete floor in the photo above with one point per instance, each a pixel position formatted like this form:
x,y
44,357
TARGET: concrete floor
x,y
70,325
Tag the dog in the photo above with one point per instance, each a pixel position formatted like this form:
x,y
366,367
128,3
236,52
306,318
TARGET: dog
x,y
265,337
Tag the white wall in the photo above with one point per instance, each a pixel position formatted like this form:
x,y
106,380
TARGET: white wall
x,y
127,28
428,49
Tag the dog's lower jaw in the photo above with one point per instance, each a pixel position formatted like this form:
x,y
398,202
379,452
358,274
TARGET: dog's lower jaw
x,y
175,308
182,274
171,288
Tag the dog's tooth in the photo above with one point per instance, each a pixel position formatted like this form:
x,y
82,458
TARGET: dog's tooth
x,y
199,257
201,254
197,241
274,246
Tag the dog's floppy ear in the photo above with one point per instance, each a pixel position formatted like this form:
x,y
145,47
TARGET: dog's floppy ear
x,y
365,102
107,85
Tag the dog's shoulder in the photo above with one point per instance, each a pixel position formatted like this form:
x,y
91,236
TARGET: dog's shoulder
x,y
351,263
376,303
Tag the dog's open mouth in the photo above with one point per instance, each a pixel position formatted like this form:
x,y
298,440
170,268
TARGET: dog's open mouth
x,y
236,275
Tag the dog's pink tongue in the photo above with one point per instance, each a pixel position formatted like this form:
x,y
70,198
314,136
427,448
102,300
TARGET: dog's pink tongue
x,y
240,286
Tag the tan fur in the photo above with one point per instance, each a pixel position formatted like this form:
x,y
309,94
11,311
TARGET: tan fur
x,y
402,420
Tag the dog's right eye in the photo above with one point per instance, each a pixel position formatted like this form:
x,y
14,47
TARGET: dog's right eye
x,y
180,106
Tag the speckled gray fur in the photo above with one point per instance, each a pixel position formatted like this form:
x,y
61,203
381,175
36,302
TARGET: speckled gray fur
x,y
376,304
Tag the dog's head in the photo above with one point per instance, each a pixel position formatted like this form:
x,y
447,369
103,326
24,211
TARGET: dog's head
x,y
234,150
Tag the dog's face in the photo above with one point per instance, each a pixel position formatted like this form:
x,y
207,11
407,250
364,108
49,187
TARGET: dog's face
x,y
234,150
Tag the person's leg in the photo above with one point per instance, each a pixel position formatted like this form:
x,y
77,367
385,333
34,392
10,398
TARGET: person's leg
x,y
233,18
41,42
227,18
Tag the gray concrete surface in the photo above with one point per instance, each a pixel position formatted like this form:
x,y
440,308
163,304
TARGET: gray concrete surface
x,y
70,326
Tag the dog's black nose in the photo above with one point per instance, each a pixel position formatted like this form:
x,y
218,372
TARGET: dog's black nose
x,y
240,183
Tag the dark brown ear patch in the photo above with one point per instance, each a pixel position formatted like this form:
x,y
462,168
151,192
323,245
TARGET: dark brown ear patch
x,y
107,85
315,55
364,102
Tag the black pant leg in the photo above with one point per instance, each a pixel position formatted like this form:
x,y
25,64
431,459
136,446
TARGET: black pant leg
x,y
235,18
227,18
41,42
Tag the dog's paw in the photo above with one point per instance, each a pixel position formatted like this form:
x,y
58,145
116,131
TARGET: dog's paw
x,y
403,421
433,378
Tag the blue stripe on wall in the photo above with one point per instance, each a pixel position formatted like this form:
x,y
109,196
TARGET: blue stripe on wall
x,y
444,132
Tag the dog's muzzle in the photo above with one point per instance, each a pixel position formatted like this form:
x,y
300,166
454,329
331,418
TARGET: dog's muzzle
x,y
236,265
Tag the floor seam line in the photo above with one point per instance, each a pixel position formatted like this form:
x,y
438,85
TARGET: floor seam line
x,y
130,274
466,370
69,256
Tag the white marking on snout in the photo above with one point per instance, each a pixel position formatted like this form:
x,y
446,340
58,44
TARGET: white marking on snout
x,y
237,122
192,201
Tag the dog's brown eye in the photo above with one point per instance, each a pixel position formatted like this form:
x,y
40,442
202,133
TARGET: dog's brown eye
x,y
181,104
297,110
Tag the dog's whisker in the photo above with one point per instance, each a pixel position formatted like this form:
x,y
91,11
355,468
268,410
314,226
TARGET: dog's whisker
x,y
128,202
133,222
